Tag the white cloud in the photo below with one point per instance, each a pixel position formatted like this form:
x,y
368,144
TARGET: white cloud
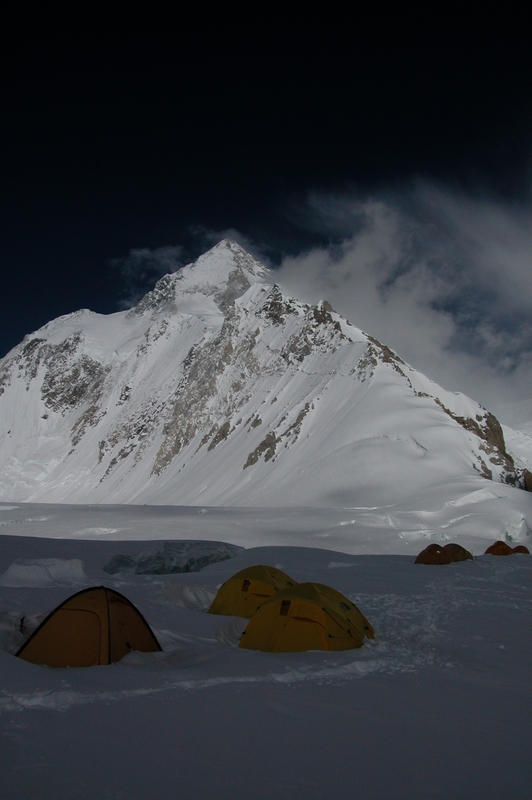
x,y
442,278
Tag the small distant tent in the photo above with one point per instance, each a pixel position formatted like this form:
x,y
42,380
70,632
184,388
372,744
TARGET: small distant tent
x,y
308,616
242,594
433,554
94,626
499,548
457,552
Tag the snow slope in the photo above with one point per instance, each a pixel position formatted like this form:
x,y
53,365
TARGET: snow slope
x,y
438,706
218,389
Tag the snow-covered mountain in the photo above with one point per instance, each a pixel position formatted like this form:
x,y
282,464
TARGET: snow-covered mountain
x,y
219,389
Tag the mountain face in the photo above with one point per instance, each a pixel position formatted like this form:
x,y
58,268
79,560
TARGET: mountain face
x,y
219,389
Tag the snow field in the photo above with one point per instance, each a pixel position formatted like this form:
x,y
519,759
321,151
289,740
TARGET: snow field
x,y
446,681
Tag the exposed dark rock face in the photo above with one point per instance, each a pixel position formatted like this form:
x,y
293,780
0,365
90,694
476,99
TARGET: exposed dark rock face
x,y
488,428
266,448
161,298
221,434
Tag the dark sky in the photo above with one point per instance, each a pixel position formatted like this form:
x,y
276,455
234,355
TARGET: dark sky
x,y
127,130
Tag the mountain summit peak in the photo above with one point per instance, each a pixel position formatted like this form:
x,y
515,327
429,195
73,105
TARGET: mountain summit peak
x,y
224,272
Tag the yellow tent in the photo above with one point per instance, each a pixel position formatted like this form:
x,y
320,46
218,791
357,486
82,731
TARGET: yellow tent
x,y
94,626
242,594
308,616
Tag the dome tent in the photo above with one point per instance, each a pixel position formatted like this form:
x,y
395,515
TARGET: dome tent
x,y
448,554
244,592
433,554
457,552
94,626
499,548
308,616
354,616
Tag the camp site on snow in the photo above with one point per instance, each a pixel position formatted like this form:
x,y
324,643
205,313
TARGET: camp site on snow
x,y
98,625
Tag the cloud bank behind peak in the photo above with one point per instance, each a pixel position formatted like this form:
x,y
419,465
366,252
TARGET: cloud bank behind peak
x,y
443,278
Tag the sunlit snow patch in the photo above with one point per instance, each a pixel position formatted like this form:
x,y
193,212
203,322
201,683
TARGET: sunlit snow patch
x,y
186,596
475,497
231,632
97,531
424,533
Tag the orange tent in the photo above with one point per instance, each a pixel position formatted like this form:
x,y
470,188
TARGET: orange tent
x,y
457,552
94,626
433,554
499,549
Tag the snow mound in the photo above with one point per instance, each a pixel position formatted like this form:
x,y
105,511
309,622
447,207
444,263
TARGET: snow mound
x,y
180,556
16,626
186,596
43,573
231,632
